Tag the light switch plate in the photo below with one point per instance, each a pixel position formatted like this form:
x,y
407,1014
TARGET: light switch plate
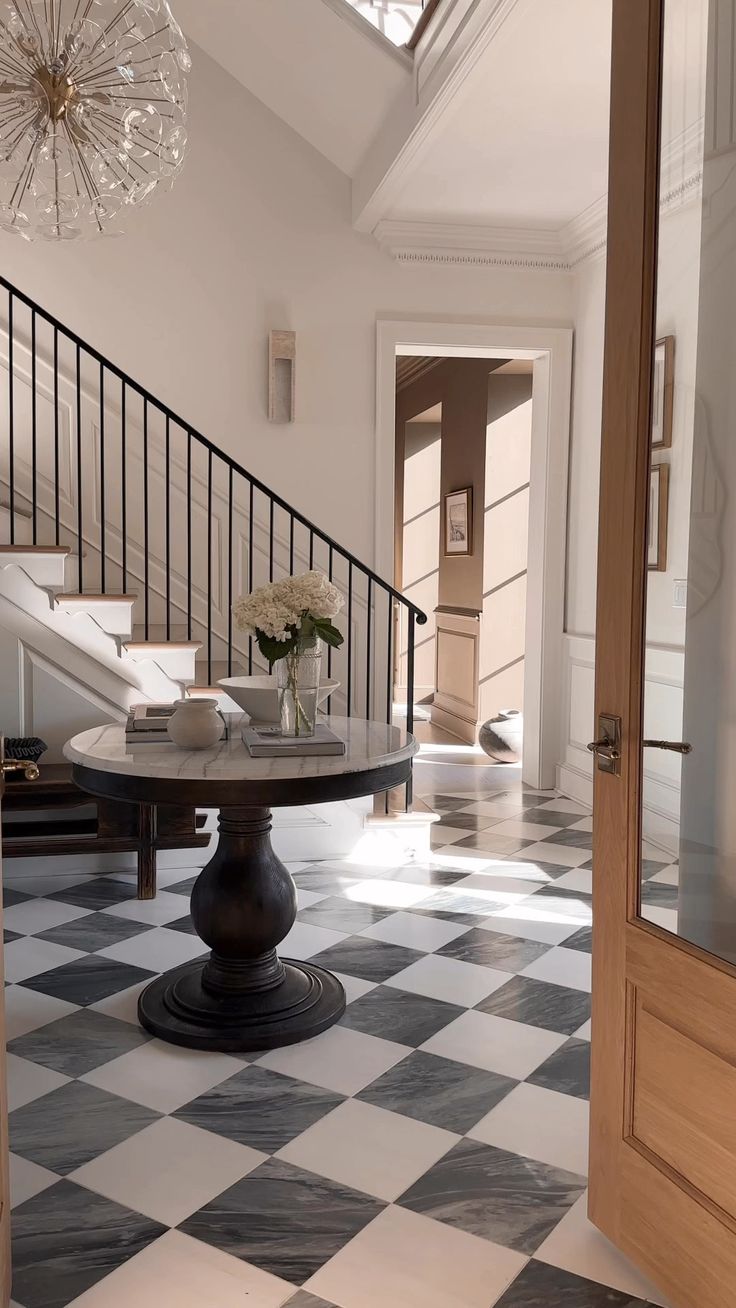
x,y
679,597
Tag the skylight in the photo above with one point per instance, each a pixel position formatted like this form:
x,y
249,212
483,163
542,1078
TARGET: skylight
x,y
395,18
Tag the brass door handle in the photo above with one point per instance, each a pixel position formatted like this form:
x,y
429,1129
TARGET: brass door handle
x,y
605,749
674,746
26,766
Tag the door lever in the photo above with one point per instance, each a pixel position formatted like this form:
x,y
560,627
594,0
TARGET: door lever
x,y
607,748
674,746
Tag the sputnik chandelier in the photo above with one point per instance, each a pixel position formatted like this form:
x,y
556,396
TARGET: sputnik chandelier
x,y
93,102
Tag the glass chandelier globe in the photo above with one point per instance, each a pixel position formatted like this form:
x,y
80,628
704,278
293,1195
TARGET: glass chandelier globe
x,y
93,109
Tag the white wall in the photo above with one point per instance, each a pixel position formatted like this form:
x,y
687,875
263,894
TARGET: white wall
x,y
257,235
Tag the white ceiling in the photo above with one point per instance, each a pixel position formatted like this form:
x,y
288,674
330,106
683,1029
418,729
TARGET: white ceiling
x,y
316,63
525,141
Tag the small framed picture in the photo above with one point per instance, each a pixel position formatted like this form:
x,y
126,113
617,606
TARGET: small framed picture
x,y
663,393
459,522
659,490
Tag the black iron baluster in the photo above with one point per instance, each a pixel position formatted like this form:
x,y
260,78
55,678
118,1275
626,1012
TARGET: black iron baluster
x,y
209,569
57,531
369,623
146,560
250,572
291,545
329,647
230,572
11,415
167,514
189,535
410,694
80,540
124,485
103,533
311,549
34,431
270,540
349,652
389,658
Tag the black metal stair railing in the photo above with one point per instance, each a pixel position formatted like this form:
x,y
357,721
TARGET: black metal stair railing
x,y
151,506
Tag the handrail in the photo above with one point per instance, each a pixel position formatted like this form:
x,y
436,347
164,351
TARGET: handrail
x,y
423,22
172,416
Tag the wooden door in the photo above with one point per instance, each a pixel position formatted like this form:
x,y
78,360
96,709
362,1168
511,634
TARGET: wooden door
x,y
663,1133
5,1273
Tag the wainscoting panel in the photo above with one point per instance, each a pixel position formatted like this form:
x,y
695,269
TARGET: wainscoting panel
x,y
455,704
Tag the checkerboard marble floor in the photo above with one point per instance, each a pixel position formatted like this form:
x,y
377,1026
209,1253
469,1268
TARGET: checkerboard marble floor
x,y
427,1152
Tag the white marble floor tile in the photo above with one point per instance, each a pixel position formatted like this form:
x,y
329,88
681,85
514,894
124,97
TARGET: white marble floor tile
x,y
443,834
494,808
340,1059
369,1149
525,830
404,1260
36,915
541,1124
666,918
304,940
577,1246
559,805
178,1272
28,1081
530,926
580,878
305,898
27,1179
169,1170
27,1010
669,876
563,967
163,1076
495,1044
414,931
157,950
123,1005
497,889
585,824
354,986
449,979
30,956
166,907
566,855
584,1032
387,894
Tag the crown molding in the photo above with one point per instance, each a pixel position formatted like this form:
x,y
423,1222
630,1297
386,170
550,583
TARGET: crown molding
x,y
473,246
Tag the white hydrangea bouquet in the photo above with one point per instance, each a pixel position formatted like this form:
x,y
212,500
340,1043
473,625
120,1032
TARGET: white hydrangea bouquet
x,y
288,619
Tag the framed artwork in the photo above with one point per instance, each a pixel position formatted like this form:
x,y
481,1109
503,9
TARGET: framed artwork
x,y
459,522
659,492
663,393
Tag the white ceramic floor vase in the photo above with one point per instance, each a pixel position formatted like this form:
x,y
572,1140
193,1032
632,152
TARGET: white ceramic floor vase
x,y
195,724
502,737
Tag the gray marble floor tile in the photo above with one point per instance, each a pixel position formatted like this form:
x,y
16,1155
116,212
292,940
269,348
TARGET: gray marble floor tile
x,y
481,840
660,895
78,1043
68,1239
534,870
12,897
491,949
305,1300
550,817
445,803
329,880
184,887
541,1286
419,876
87,980
341,914
372,960
499,1196
468,821
570,837
74,1124
183,924
9,936
567,1070
581,940
284,1220
101,893
649,866
539,1003
260,1108
438,1091
462,905
446,915
96,931
563,894
399,1016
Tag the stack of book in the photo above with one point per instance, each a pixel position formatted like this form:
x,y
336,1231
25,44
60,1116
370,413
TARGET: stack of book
x,y
147,724
267,742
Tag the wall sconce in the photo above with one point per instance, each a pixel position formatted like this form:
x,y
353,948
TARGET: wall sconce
x,y
281,376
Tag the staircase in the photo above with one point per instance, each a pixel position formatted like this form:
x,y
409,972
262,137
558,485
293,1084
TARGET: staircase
x,y
126,535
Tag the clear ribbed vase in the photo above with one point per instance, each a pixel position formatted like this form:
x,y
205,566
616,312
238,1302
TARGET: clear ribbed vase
x,y
298,676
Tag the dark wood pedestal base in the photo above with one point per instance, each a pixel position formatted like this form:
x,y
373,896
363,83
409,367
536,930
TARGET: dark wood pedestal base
x,y
243,997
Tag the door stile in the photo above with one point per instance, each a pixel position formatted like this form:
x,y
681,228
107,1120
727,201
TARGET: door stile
x,y
627,402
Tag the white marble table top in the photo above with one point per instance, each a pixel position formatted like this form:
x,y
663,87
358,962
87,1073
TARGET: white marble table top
x,y
369,745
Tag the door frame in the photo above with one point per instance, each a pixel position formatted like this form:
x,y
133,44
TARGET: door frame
x,y
551,351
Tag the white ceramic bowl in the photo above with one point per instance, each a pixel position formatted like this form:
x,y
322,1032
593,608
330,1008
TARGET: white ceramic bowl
x,y
259,696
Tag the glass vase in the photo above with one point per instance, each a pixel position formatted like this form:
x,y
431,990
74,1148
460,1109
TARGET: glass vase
x,y
298,675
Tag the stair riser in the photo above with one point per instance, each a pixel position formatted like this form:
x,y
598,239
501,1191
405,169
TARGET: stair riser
x,y
115,619
47,570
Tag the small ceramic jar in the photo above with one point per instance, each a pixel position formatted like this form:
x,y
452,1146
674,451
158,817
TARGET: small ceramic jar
x,y
195,723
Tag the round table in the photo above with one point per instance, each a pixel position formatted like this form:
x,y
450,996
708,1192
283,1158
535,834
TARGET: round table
x,y
243,996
